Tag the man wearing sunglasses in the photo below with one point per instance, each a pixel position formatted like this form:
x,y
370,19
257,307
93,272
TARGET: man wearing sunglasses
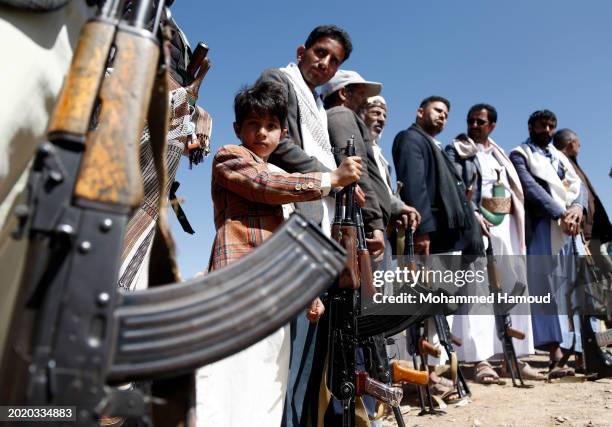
x,y
497,202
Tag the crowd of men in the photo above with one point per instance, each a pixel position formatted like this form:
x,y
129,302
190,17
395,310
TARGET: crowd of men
x,y
534,201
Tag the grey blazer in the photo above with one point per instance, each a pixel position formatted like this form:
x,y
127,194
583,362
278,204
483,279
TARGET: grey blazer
x,y
342,124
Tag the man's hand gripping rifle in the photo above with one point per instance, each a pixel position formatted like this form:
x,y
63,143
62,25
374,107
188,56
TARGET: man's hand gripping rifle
x,y
345,383
72,331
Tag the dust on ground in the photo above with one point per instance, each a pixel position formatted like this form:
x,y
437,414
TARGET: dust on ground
x,y
587,403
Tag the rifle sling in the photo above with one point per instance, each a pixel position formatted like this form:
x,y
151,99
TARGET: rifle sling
x,y
158,118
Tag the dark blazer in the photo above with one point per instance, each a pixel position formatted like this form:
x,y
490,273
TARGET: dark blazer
x,y
289,155
343,123
415,166
596,222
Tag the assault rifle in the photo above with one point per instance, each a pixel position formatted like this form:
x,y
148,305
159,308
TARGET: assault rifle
x,y
345,383
447,339
591,300
503,322
72,332
418,342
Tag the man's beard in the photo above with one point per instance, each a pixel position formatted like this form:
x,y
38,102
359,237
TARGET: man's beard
x,y
375,136
432,129
477,137
540,139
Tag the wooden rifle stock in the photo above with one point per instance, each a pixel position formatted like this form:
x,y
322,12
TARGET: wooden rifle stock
x,y
110,172
425,347
83,81
363,258
200,52
202,64
365,270
349,278
405,374
515,333
344,231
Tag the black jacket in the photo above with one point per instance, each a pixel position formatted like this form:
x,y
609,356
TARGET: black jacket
x,y
342,124
416,166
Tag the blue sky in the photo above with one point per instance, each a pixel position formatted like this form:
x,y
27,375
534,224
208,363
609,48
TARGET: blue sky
x,y
519,56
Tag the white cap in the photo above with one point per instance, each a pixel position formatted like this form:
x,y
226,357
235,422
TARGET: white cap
x,y
344,78
376,100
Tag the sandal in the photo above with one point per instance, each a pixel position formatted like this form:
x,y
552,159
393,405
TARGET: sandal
x,y
530,373
556,371
485,374
446,393
444,382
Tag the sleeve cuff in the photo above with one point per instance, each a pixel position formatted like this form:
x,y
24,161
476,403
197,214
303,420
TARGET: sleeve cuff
x,y
579,205
325,183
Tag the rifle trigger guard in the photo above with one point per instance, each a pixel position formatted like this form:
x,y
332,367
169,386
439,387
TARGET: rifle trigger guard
x,y
124,403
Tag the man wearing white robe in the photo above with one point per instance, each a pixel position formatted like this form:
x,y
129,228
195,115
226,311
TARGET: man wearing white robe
x,y
483,164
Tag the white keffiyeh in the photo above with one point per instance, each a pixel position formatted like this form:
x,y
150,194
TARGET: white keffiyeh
x,y
313,125
564,192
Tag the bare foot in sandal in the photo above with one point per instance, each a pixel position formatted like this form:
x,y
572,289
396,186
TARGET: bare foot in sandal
x,y
444,389
529,372
485,374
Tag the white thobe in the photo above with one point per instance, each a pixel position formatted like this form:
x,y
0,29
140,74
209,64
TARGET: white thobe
x,y
478,331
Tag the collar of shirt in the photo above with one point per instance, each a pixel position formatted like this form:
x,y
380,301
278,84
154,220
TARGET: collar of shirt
x,y
483,149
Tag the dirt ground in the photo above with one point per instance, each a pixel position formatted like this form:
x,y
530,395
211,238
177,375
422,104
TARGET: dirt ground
x,y
587,403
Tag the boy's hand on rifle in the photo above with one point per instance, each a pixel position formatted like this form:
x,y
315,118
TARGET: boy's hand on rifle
x,y
316,310
376,245
348,172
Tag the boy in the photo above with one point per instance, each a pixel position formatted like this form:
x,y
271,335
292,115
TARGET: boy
x,y
247,194
248,388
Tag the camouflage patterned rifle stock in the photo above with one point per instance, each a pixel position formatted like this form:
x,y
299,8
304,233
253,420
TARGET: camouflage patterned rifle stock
x,y
73,332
